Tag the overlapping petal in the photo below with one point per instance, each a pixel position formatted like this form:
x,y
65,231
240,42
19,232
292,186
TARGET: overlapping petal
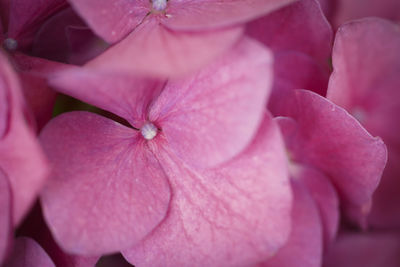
x,y
209,14
329,139
211,116
304,247
5,216
372,95
294,70
235,214
21,157
28,253
107,189
26,15
153,49
348,10
112,20
300,27
365,249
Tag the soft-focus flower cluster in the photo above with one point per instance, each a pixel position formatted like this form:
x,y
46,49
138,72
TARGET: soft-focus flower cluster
x,y
200,133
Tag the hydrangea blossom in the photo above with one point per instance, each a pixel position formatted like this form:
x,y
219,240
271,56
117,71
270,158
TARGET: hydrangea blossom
x,y
154,186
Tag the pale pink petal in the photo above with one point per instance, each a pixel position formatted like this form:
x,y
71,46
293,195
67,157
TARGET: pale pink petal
x,y
329,139
209,14
28,253
155,50
355,9
127,96
212,115
5,216
294,70
112,20
304,247
300,27
21,157
107,190
233,215
365,249
27,15
371,94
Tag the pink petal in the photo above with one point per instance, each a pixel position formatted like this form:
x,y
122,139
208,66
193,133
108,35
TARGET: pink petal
x,y
300,27
28,253
233,215
5,216
365,249
112,20
35,227
27,15
354,9
212,116
210,14
372,96
294,70
304,247
107,190
21,157
329,139
126,96
325,197
158,51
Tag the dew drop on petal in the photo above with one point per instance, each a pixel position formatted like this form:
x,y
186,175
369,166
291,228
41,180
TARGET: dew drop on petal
x,y
10,44
149,131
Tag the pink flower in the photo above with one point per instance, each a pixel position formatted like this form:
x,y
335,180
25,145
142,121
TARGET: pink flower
x,y
366,82
168,38
192,184
23,167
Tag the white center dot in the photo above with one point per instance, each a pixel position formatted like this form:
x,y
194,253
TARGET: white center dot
x,y
10,44
149,130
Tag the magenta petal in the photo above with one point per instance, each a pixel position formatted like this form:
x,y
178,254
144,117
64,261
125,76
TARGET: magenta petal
x,y
355,9
27,15
233,215
107,189
21,157
300,27
5,216
206,14
28,253
372,95
365,249
112,20
331,140
304,247
158,51
210,117
294,70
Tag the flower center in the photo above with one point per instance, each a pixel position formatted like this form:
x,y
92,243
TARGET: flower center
x,y
149,131
159,5
10,44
